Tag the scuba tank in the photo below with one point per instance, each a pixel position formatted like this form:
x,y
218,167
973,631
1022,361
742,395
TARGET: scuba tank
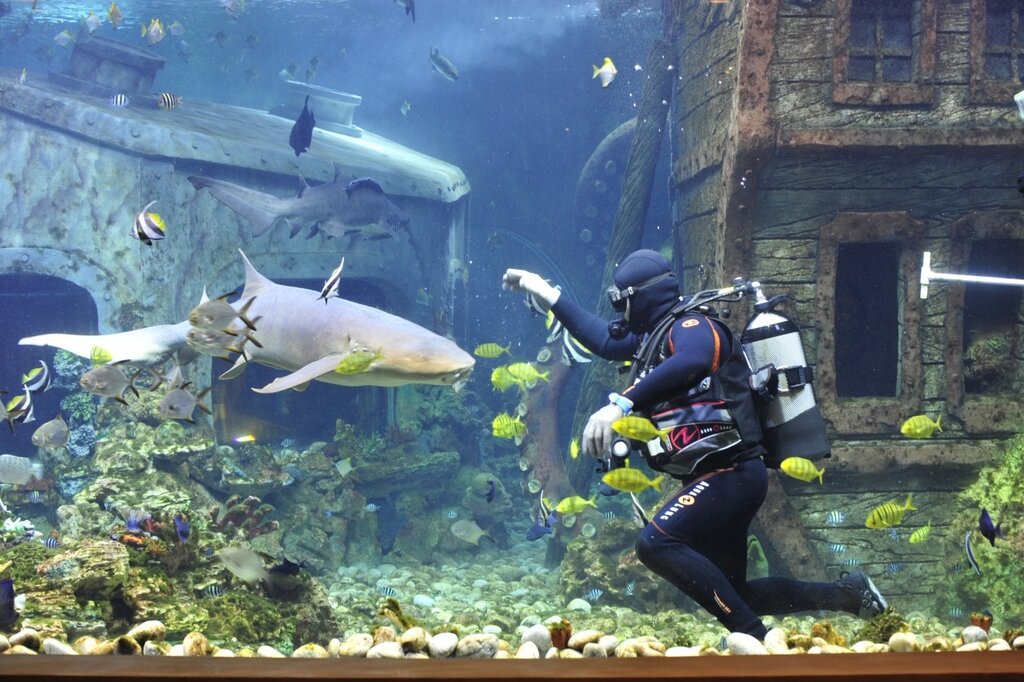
x,y
791,420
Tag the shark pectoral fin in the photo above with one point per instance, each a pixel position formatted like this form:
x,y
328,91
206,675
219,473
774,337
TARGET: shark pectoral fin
x,y
293,228
236,369
304,375
301,387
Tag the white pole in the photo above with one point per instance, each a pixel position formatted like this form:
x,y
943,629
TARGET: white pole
x,y
927,275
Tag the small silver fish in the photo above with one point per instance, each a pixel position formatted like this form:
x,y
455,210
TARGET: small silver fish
x,y
217,313
52,434
443,65
109,381
180,403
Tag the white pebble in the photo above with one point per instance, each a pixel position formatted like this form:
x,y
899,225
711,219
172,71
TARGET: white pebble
x,y
269,652
594,650
423,601
682,651
442,645
972,633
742,644
902,642
999,645
540,636
775,641
55,647
578,604
386,650
527,650
1018,642
224,653
491,629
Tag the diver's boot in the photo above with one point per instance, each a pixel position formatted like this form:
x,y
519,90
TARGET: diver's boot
x,y
870,600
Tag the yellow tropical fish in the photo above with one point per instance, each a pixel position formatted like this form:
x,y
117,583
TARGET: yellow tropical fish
x,y
631,480
501,379
357,361
921,426
638,428
574,449
524,372
507,426
490,350
921,534
802,469
889,513
575,504
99,356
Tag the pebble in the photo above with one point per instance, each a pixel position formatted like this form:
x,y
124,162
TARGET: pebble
x,y
903,642
384,633
5,643
150,629
971,633
609,642
386,650
477,646
682,651
442,645
580,639
594,650
178,650
223,653
491,630
578,604
355,646
423,601
973,646
414,640
55,647
310,650
1018,643
528,650
742,644
269,652
776,641
195,644
152,648
540,636
20,650
27,637
999,645
332,647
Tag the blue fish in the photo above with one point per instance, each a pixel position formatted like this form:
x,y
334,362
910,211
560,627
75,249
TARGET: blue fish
x,y
970,553
850,563
834,518
182,526
630,588
51,543
214,590
594,594
542,526
490,492
894,568
957,612
836,547
7,613
387,591
990,531
452,514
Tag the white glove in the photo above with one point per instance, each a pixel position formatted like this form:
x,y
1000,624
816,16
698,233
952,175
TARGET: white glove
x,y
598,434
530,283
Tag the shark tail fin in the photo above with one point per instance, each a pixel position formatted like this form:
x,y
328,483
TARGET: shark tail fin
x,y
258,208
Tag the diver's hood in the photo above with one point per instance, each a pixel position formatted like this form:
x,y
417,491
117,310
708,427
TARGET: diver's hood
x,y
652,302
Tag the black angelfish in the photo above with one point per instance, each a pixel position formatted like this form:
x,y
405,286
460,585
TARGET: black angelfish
x,y
302,132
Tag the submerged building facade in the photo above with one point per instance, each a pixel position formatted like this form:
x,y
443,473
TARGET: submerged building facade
x,y
821,147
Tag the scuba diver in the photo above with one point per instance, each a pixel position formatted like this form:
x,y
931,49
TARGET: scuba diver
x,y
690,374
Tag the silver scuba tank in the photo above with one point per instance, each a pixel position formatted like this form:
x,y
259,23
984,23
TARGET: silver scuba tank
x,y
791,420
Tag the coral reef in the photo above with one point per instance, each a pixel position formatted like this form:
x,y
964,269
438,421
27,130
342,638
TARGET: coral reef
x,y
243,517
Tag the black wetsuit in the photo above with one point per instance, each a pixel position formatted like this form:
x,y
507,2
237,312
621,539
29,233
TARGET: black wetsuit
x,y
698,540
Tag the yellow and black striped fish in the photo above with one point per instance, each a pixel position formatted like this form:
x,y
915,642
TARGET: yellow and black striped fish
x,y
889,513
149,227
490,350
166,100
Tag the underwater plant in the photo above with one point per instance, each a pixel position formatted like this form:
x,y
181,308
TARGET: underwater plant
x,y
392,610
883,626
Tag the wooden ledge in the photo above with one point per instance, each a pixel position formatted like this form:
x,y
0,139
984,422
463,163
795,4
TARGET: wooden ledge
x,y
929,667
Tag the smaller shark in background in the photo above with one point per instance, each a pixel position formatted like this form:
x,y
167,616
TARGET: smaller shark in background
x,y
334,208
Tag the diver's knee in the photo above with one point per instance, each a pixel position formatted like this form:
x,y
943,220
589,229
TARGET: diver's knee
x,y
646,549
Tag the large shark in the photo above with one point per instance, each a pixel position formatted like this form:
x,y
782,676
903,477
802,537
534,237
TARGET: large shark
x,y
335,208
310,340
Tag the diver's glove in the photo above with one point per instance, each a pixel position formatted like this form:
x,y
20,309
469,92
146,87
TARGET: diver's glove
x,y
598,434
532,284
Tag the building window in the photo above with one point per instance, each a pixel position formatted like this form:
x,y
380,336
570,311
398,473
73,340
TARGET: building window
x,y
997,49
884,52
984,324
866,319
869,373
880,41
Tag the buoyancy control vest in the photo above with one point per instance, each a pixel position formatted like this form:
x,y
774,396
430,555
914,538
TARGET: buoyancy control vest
x,y
715,422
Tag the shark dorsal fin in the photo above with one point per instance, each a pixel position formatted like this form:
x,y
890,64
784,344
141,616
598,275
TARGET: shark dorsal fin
x,y
254,281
